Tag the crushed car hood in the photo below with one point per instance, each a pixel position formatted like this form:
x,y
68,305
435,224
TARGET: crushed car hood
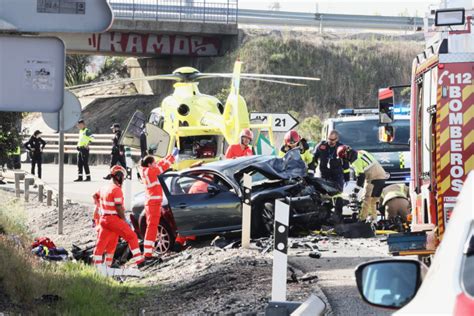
x,y
289,167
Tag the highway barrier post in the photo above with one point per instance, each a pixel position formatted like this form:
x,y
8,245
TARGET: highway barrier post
x,y
246,211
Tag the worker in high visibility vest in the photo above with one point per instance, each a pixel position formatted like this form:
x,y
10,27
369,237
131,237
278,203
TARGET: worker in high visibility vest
x,y
112,220
154,196
369,172
292,140
85,138
14,158
395,201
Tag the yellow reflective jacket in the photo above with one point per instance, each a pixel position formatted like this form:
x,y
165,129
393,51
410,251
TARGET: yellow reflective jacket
x,y
85,137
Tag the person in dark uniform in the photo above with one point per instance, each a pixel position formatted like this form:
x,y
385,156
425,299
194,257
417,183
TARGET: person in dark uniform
x,y
118,151
143,144
35,146
332,168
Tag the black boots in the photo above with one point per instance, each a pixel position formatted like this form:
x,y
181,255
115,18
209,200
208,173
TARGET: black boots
x,y
79,179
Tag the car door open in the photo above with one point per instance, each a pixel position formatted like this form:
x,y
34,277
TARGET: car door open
x,y
202,203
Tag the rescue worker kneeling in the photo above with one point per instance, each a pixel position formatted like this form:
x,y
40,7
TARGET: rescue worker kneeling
x,y
154,196
112,220
367,169
395,202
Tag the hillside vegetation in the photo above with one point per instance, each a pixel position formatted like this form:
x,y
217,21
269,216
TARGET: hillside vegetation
x,y
351,71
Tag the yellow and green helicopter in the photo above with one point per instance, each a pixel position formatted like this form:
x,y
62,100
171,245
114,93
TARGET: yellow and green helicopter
x,y
199,125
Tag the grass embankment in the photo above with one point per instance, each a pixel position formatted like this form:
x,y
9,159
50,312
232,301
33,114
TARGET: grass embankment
x,y
24,279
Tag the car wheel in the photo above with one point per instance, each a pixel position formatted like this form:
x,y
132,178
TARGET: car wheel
x,y
165,238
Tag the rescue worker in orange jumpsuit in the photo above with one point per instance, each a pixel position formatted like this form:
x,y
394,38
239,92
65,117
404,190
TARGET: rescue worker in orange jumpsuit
x,y
242,149
154,196
112,244
200,186
112,220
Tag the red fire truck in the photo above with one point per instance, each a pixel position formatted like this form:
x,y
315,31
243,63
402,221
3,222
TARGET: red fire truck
x,y
442,119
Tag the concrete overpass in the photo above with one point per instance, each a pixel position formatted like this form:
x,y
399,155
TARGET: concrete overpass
x,y
173,28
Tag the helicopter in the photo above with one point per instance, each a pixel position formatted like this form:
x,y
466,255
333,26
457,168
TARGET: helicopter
x,y
199,125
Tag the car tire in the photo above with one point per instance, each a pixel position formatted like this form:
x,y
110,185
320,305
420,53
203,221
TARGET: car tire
x,y
165,238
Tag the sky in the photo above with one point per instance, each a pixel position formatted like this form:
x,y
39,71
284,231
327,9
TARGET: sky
x,y
369,7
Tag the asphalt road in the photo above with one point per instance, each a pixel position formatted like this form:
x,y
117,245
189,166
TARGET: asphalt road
x,y
335,271
80,192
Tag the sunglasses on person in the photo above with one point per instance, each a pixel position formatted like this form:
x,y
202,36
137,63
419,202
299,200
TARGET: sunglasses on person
x,y
332,139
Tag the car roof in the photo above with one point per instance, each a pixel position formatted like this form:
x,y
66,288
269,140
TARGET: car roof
x,y
229,167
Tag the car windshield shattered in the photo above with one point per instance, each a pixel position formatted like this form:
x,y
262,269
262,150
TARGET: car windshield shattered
x,y
289,167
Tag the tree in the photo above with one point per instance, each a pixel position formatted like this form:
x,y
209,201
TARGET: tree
x,y
310,128
10,137
76,72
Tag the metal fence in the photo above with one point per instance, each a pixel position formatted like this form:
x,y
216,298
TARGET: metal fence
x,y
204,11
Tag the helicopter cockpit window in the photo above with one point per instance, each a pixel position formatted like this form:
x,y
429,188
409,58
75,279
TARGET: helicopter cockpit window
x,y
194,147
156,119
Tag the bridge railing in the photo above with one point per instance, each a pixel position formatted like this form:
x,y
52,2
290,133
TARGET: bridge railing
x,y
203,11
99,149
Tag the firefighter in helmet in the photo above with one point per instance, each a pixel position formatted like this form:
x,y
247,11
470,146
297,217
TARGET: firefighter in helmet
x,y
369,172
293,140
242,149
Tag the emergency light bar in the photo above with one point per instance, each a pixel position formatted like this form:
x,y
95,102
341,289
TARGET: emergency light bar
x,y
403,110
346,112
448,17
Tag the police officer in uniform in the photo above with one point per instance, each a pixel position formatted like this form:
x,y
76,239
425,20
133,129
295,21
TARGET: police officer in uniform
x,y
118,151
85,137
35,146
332,168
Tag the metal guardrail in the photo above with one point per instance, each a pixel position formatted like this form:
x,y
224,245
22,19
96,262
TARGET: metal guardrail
x,y
227,11
203,11
102,144
328,20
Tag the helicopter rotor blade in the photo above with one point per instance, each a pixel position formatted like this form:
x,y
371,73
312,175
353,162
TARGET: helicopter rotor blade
x,y
276,81
124,81
250,75
280,77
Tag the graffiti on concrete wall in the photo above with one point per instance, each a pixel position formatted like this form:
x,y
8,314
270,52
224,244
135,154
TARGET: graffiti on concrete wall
x,y
143,44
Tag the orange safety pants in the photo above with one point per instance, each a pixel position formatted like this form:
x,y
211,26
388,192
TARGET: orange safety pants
x,y
153,214
111,245
112,227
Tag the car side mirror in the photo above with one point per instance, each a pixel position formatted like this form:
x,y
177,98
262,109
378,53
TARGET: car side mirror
x,y
388,283
212,189
386,133
386,101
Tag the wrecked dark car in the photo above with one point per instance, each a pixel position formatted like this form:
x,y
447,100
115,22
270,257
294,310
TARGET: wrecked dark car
x,y
208,199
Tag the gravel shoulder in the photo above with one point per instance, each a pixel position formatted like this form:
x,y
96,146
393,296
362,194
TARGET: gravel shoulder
x,y
201,280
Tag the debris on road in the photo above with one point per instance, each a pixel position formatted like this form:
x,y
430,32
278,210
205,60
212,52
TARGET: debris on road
x,y
355,230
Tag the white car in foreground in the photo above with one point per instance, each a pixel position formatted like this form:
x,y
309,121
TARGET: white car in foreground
x,y
446,288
